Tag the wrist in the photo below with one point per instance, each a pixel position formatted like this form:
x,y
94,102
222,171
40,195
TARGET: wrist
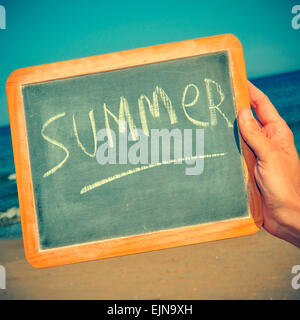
x,y
289,216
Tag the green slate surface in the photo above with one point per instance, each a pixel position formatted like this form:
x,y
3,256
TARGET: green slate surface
x,y
157,198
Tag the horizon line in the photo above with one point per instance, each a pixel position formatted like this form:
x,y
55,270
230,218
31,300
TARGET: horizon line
x,y
250,79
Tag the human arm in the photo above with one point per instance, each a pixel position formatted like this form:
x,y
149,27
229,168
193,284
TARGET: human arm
x,y
277,169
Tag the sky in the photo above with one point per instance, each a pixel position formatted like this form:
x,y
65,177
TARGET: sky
x,y
39,32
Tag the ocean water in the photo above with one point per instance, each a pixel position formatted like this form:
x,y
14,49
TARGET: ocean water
x,y
10,226
283,90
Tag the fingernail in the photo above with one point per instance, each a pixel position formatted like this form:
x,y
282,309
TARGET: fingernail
x,y
246,114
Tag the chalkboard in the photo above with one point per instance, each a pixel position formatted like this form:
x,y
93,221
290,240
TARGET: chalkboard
x,y
123,153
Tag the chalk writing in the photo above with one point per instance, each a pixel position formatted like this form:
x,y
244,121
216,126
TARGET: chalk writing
x,y
92,119
56,143
152,165
215,98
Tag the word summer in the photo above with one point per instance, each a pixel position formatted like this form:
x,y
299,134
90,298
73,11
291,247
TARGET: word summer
x,y
160,140
190,100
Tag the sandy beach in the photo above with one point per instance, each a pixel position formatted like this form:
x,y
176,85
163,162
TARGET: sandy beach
x,y
252,267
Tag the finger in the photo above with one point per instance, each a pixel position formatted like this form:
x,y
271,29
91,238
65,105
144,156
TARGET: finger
x,y
264,109
253,135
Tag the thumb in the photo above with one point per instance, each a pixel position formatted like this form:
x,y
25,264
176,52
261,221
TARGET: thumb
x,y
253,135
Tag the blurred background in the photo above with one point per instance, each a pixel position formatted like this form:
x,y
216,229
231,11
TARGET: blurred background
x,y
40,32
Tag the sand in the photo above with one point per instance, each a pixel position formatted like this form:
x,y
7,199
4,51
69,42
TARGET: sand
x,y
253,267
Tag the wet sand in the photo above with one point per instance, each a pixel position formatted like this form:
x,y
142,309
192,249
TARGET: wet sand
x,y
252,267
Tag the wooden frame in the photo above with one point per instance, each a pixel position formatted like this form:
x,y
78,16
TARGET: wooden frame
x,y
136,243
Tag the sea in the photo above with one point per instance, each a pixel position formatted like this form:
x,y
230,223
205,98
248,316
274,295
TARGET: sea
x,y
282,89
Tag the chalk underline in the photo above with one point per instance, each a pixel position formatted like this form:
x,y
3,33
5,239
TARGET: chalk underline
x,y
101,182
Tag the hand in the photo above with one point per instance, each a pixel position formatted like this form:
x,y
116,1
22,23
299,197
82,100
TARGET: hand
x,y
277,169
